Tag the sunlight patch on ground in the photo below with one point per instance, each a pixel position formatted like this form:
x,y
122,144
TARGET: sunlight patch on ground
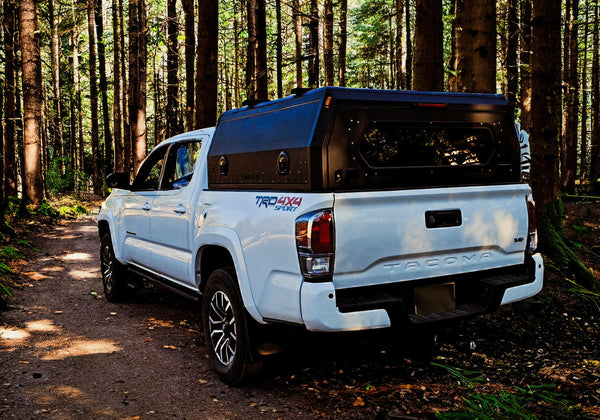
x,y
7,333
79,256
52,269
85,274
36,276
88,228
83,347
42,325
50,395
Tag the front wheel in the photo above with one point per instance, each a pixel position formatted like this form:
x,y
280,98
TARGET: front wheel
x,y
226,329
114,274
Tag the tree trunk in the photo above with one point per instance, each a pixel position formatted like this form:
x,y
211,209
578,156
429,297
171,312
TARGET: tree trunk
x,y
172,67
313,53
343,42
399,13
262,80
236,55
96,178
584,104
595,146
117,86
10,109
77,86
139,131
125,98
108,150
190,55
571,107
297,18
544,140
409,48
512,43
328,42
279,50
57,126
206,73
475,46
451,81
32,102
251,51
428,66
2,195
525,68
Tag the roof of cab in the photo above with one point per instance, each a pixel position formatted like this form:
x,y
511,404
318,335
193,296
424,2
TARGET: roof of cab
x,y
190,135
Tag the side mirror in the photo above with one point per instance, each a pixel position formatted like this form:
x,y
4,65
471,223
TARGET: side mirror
x,y
118,180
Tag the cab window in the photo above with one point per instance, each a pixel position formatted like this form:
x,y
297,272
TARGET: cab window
x,y
180,165
148,176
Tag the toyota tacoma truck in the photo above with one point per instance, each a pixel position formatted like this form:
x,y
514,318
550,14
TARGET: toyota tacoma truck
x,y
333,209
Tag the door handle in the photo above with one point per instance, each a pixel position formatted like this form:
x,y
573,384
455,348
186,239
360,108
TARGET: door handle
x,y
180,209
146,207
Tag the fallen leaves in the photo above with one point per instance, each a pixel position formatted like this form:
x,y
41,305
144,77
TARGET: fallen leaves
x,y
359,402
170,347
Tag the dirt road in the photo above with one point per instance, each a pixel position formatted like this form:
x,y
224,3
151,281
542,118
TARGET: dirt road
x,y
65,352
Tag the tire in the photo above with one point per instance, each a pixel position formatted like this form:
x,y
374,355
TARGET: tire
x,y
114,274
226,330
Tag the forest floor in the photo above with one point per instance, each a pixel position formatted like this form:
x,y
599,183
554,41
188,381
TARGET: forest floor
x,y
65,352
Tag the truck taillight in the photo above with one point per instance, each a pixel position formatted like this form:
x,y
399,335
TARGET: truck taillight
x,y
532,226
314,241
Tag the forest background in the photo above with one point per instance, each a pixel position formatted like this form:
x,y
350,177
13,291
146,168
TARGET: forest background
x,y
88,87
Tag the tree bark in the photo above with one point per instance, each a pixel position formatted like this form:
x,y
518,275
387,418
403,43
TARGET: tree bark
x,y
206,73
571,107
32,102
328,42
544,140
108,150
343,42
297,18
10,109
57,126
595,111
172,68
525,68
584,98
251,51
127,161
96,178
262,80
512,43
428,67
409,47
77,86
313,53
475,46
279,50
117,94
140,133
399,74
190,54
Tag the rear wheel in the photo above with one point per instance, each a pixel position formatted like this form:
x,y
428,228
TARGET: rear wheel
x,y
114,274
226,329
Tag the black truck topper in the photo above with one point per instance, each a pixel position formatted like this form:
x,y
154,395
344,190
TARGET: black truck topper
x,y
353,139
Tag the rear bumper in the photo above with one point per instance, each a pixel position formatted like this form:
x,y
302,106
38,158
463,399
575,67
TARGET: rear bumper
x,y
325,309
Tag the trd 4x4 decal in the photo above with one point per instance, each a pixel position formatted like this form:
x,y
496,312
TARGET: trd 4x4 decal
x,y
279,203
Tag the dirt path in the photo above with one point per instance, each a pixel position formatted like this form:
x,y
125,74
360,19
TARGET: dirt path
x,y
66,352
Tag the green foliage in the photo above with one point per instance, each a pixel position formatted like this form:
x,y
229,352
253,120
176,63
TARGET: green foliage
x,y
8,253
554,244
62,178
465,377
28,244
46,209
71,212
506,405
585,294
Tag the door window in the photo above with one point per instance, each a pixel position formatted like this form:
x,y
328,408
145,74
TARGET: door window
x,y
180,165
148,176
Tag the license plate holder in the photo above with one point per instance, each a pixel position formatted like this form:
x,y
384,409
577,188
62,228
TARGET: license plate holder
x,y
434,298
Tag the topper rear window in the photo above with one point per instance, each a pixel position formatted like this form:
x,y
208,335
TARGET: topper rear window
x,y
405,145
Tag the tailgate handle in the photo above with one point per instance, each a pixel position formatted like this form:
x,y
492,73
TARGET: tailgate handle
x,y
443,218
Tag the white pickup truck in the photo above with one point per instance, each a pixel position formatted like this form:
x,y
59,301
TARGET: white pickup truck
x,y
334,209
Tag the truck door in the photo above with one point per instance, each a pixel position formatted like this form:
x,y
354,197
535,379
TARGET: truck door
x,y
172,212
137,209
